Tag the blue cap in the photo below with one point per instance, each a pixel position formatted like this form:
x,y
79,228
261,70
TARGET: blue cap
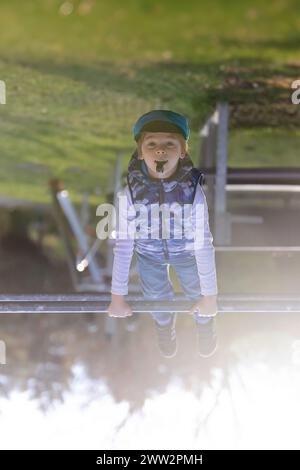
x,y
161,120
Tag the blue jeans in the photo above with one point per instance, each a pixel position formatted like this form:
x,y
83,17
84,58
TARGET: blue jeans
x,y
156,284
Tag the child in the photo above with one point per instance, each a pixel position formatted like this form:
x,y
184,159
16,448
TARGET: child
x,y
161,172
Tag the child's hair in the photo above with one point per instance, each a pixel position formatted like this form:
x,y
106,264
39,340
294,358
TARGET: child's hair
x,y
183,142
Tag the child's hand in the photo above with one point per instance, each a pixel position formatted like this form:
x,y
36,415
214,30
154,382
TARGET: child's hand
x,y
206,306
118,307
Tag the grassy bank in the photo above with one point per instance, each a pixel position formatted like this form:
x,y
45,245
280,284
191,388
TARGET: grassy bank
x,y
79,73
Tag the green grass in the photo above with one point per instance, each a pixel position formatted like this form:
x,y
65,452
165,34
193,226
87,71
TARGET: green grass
x,y
264,147
76,83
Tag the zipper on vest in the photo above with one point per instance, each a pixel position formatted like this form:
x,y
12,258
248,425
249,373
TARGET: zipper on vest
x,y
164,241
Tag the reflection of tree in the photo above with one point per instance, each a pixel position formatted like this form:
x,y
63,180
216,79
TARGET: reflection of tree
x,y
42,350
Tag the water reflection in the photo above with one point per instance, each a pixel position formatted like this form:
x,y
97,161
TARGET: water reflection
x,y
67,385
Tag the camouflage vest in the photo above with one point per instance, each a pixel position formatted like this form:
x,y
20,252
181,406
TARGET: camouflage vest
x,y
180,188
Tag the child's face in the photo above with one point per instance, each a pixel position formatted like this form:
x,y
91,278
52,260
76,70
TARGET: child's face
x,y
161,147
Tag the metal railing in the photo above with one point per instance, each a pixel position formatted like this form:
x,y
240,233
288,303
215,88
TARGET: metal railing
x,y
78,303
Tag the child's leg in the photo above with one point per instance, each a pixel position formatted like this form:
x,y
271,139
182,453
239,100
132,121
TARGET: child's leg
x,y
156,285
187,273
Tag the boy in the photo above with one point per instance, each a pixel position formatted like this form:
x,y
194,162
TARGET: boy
x,y
161,172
